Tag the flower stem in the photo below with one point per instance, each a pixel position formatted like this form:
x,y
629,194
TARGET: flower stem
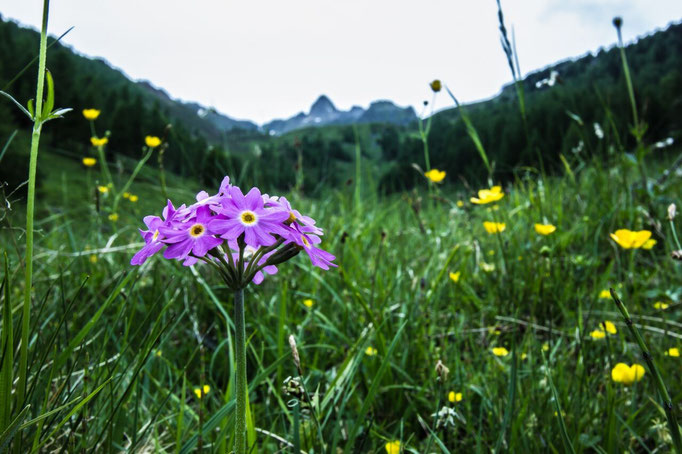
x,y
658,380
138,167
240,359
30,205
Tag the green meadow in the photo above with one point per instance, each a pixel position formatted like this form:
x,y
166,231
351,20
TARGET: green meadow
x,y
529,306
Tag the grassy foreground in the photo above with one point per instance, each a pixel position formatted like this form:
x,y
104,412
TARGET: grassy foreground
x,y
370,334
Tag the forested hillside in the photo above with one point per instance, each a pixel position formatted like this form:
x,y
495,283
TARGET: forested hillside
x,y
591,88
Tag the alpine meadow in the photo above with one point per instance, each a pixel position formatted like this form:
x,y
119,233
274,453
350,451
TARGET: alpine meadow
x,y
494,276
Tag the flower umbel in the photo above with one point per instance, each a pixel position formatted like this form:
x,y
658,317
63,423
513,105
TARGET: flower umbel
x,y
243,235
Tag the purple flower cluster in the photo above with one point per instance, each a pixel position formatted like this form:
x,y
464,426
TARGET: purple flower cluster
x,y
231,230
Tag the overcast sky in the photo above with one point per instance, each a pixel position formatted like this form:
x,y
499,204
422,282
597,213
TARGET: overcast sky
x,y
260,60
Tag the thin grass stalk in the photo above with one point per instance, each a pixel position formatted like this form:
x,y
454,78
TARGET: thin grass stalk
x,y
137,169
658,380
30,207
240,370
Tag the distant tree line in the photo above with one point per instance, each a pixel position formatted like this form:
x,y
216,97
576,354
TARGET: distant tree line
x,y
591,87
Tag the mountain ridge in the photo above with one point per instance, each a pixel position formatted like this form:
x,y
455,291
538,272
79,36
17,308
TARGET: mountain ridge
x,y
323,112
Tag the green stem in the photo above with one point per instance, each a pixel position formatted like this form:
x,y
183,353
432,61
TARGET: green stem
x,y
240,359
141,163
672,229
33,165
658,380
105,166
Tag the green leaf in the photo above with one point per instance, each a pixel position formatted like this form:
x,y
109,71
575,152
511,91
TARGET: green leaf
x,y
76,341
11,430
7,353
23,109
49,104
373,390
71,413
575,118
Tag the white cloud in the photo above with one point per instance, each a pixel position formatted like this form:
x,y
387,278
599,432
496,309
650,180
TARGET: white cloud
x,y
268,59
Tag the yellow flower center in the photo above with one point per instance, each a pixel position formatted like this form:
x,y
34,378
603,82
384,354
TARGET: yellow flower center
x,y
196,230
305,241
248,218
156,234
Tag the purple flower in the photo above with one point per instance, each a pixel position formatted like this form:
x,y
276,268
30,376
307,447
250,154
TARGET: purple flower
x,y
307,241
190,236
247,214
294,215
204,199
152,236
153,239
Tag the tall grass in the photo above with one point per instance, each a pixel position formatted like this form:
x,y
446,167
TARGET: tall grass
x,y
111,357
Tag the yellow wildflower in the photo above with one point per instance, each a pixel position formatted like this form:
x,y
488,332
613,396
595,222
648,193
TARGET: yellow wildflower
x,y
126,195
99,142
609,327
152,141
90,114
435,175
89,162
606,294
524,356
460,204
649,244
660,305
627,375
393,447
598,334
494,227
627,239
113,217
93,258
201,392
103,189
488,195
545,229
673,351
500,351
435,86
454,397
455,276
158,353
133,198
308,303
370,351
545,347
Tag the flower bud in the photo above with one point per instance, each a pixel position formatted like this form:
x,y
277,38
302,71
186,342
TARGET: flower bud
x,y
672,211
435,86
294,352
442,371
287,252
618,22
